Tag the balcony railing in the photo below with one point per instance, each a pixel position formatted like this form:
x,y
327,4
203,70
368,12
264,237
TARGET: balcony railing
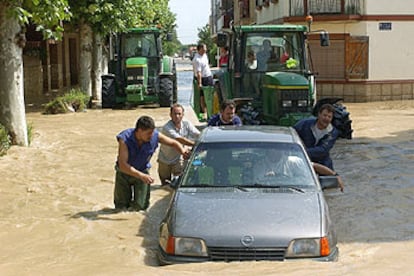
x,y
326,7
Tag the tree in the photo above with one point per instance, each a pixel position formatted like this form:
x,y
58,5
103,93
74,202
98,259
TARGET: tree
x,y
14,14
172,47
158,13
95,19
204,35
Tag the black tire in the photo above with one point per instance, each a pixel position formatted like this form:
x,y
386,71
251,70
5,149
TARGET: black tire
x,y
166,92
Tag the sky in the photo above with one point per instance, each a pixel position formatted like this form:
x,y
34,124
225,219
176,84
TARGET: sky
x,y
190,15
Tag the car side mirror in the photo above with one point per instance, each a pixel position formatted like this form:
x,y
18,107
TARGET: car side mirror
x,y
175,181
328,182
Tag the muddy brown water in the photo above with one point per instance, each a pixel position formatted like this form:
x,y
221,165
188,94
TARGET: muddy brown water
x,y
56,201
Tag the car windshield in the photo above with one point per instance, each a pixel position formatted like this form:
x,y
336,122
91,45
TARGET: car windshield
x,y
255,165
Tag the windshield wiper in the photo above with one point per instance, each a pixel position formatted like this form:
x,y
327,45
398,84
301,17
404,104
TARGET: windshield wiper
x,y
198,185
294,188
241,188
258,185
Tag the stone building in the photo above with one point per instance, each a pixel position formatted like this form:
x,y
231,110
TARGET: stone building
x,y
50,66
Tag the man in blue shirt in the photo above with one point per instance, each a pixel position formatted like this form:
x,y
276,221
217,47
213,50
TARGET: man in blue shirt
x,y
319,135
227,115
135,149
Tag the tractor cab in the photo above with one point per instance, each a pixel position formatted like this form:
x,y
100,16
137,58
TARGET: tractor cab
x,y
268,73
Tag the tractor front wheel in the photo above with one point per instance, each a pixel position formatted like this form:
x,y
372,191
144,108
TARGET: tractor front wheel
x,y
166,92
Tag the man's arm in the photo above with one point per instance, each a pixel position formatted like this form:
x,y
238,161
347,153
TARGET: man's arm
x,y
189,128
237,121
324,170
173,143
126,168
321,150
199,79
185,141
197,71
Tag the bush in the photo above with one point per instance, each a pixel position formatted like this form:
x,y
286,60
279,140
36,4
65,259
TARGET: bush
x,y
5,141
75,100
29,133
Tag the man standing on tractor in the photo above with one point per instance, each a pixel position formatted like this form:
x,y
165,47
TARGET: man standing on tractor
x,y
202,74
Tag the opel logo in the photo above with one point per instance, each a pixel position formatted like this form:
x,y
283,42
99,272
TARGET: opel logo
x,y
247,240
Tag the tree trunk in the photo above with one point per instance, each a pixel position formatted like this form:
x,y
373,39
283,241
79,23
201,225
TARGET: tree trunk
x,y
12,109
85,57
97,68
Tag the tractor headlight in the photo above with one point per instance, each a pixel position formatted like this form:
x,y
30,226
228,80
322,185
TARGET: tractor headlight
x,y
287,103
302,103
308,248
181,245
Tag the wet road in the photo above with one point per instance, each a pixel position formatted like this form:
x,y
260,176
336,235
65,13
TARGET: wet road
x,y
378,169
56,199
184,82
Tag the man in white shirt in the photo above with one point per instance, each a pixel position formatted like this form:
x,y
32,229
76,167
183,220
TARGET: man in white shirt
x,y
170,163
202,73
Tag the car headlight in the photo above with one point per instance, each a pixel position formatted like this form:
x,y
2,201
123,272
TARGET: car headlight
x,y
308,248
181,245
190,247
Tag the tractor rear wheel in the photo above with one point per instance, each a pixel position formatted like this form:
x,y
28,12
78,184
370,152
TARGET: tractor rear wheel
x,y
166,92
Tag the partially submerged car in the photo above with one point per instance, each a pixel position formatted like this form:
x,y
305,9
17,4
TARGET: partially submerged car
x,y
248,194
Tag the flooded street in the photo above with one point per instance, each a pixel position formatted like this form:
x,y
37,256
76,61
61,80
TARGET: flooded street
x,y
56,199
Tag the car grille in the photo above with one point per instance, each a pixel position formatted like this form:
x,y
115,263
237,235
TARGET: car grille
x,y
246,254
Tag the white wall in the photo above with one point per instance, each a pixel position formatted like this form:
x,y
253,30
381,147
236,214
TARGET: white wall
x,y
391,53
390,7
274,11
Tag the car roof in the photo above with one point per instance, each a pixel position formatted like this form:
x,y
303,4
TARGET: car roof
x,y
249,133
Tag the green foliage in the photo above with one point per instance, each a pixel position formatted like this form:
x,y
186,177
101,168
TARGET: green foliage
x,y
204,35
30,133
75,100
171,47
111,16
5,141
46,15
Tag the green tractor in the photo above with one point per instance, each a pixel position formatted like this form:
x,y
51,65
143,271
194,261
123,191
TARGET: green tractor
x,y
269,75
139,73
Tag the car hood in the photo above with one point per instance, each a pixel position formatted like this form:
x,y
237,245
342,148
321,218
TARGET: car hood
x,y
268,216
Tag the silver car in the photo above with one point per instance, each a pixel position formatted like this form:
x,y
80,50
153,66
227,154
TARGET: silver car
x,y
248,194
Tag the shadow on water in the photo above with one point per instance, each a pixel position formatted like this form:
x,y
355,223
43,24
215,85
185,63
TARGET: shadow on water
x,y
149,228
98,215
